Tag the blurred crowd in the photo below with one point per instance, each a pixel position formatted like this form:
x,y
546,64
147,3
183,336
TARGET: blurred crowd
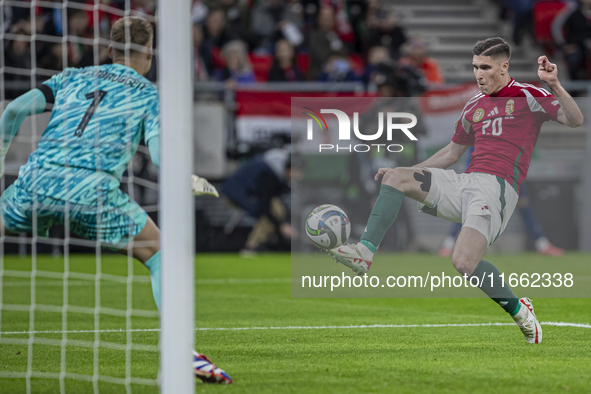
x,y
572,34
243,41
316,40
47,52
562,27
236,41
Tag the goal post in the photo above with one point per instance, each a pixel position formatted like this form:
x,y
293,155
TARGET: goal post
x,y
62,299
176,200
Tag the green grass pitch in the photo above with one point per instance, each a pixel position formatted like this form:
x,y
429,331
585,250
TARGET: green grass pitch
x,y
479,359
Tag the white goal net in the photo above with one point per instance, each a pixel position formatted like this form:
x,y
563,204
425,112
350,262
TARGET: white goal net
x,y
76,316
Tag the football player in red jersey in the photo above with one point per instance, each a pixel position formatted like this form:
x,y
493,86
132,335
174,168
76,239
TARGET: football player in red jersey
x,y
502,122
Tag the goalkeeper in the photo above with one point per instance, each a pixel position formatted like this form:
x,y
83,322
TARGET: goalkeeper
x,y
99,116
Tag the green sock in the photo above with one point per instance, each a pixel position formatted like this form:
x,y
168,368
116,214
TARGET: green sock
x,y
372,248
498,291
516,310
382,216
154,266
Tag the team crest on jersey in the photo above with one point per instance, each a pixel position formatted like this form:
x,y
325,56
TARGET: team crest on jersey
x,y
510,107
479,114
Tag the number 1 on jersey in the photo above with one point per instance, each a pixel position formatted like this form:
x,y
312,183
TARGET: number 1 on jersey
x,y
97,97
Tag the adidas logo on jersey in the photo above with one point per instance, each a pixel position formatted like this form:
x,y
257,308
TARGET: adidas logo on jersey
x,y
495,111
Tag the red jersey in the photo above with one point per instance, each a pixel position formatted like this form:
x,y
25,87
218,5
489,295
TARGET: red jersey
x,y
503,128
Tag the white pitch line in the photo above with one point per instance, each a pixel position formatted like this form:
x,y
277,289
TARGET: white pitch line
x,y
71,283
548,323
121,330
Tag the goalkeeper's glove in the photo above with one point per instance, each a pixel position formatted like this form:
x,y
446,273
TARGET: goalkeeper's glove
x,y
201,186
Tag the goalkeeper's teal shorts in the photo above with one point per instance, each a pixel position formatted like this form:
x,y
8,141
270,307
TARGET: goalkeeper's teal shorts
x,y
113,222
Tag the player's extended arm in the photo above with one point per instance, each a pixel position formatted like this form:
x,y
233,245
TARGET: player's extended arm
x,y
569,112
200,185
445,157
31,103
154,147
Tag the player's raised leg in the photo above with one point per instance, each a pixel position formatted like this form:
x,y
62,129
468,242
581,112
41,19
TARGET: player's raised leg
x,y
396,184
467,259
146,248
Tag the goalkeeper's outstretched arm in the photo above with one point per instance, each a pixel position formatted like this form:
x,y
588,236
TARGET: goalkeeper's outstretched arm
x,y
31,103
154,147
200,185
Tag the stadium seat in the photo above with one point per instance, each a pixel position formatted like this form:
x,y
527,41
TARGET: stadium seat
x,y
543,14
260,66
303,62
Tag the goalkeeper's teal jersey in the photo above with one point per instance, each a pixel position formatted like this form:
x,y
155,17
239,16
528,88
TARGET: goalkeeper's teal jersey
x,y
99,117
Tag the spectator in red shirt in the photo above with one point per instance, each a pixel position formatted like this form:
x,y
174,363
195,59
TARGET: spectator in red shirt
x,y
105,19
418,58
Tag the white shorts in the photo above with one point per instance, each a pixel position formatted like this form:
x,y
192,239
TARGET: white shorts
x,y
469,198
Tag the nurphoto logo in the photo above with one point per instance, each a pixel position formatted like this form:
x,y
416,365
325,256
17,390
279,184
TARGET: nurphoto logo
x,y
344,130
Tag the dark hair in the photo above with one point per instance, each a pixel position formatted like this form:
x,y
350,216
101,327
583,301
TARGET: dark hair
x,y
493,47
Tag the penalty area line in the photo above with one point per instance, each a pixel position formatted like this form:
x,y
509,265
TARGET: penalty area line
x,y
121,330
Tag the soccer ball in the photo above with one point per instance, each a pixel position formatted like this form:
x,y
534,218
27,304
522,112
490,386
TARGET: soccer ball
x,y
328,226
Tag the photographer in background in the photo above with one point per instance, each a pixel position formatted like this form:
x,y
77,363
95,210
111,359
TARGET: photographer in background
x,y
257,188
